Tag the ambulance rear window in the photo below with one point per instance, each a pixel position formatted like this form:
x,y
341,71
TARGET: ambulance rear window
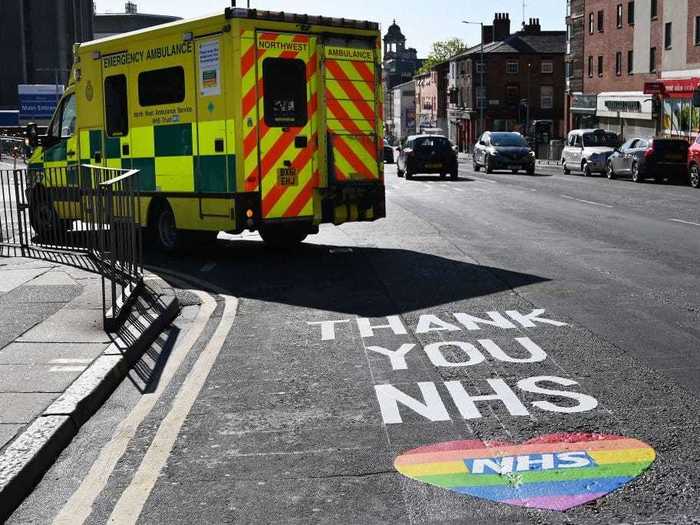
x,y
162,86
284,85
116,106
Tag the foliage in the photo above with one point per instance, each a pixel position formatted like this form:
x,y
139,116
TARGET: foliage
x,y
441,51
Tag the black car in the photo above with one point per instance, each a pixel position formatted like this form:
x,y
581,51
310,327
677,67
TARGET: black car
x,y
388,153
657,158
427,154
500,150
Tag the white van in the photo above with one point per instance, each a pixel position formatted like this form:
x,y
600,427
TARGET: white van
x,y
588,150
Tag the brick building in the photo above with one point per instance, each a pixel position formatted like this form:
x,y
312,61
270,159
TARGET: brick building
x,y
431,98
626,46
524,81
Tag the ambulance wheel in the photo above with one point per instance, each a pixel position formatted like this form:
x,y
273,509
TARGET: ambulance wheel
x,y
43,217
164,232
283,235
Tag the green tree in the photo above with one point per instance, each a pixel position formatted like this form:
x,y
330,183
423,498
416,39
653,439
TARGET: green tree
x,y
441,51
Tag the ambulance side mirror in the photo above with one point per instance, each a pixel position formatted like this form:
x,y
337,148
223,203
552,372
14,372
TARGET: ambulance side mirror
x,y
32,134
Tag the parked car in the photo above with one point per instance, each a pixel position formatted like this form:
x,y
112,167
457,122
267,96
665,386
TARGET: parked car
x,y
694,164
388,153
496,150
657,158
588,151
427,154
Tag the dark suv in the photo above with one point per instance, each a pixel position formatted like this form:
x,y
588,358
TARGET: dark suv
x,y
657,158
427,154
497,150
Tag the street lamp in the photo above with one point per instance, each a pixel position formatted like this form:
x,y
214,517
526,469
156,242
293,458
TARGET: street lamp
x,y
483,87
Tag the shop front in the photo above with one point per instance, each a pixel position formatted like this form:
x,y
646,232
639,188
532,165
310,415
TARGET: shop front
x,y
460,130
583,112
629,114
679,117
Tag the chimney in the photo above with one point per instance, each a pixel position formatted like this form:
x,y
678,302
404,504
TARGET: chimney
x,y
501,27
130,8
533,26
487,34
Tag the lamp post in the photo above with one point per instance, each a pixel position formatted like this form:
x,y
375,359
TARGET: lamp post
x,y
482,86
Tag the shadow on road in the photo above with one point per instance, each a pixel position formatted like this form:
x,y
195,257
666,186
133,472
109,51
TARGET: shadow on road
x,y
369,282
437,178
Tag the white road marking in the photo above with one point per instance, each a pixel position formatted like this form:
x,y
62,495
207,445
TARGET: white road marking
x,y
587,202
685,222
133,499
67,368
458,190
208,267
79,506
486,180
71,361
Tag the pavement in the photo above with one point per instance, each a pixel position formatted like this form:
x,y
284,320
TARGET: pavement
x,y
57,364
482,313
50,332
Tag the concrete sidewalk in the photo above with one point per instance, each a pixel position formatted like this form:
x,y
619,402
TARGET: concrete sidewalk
x,y
57,364
50,332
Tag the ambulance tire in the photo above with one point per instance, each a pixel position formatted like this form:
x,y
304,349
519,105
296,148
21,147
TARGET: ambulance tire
x,y
280,236
163,232
44,219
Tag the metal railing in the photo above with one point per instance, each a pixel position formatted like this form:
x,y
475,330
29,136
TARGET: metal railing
x,y
85,216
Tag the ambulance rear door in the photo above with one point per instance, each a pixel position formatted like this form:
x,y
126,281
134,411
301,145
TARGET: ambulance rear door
x,y
352,109
287,102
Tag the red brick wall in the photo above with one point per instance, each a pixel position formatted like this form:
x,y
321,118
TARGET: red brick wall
x,y
693,50
612,40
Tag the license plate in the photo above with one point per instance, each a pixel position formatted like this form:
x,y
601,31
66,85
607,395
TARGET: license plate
x,y
287,177
433,165
675,157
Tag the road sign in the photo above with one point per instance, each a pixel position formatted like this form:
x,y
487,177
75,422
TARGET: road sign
x,y
38,101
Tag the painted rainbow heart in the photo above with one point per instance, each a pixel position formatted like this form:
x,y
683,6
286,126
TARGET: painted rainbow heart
x,y
555,472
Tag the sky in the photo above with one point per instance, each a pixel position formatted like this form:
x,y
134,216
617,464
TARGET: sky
x,y
421,21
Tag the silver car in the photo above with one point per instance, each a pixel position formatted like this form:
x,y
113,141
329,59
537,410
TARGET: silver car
x,y
588,150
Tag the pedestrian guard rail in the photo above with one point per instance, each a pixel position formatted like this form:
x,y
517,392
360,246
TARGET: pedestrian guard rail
x,y
82,215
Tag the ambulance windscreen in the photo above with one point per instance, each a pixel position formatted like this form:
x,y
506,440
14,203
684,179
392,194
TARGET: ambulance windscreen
x,y
284,87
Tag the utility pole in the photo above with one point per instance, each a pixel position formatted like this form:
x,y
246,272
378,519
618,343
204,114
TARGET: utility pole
x,y
482,85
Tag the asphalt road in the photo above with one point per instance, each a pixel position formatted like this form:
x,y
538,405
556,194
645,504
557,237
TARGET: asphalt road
x,y
495,308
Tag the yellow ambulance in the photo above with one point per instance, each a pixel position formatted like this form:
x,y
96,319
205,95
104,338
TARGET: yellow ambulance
x,y
246,120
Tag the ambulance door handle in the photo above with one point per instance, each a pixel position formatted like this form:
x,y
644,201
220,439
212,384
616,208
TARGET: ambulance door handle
x,y
125,149
70,153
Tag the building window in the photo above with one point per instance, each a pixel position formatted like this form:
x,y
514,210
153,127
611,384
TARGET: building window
x,y
481,96
590,24
546,97
116,106
481,67
512,94
630,62
162,86
652,60
618,63
697,30
600,66
284,85
590,67
601,21
512,68
619,16
547,67
630,13
654,9
668,35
